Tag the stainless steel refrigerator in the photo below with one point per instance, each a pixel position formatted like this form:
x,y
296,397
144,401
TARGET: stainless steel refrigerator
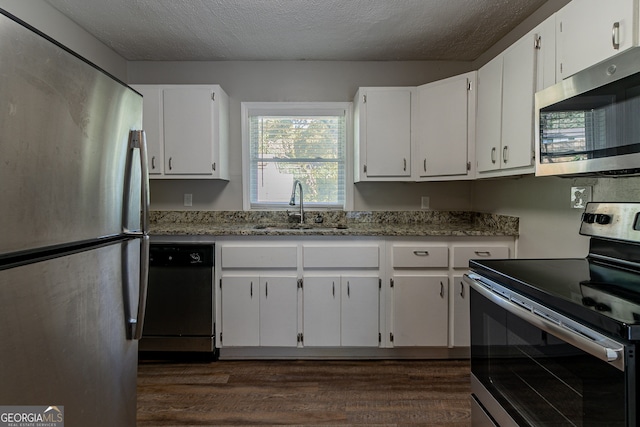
x,y
73,240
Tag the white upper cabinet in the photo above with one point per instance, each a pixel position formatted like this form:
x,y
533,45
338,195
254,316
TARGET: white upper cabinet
x,y
445,128
506,88
151,123
187,130
383,136
590,31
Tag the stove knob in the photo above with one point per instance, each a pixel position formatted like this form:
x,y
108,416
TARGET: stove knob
x,y
602,307
603,219
589,218
588,301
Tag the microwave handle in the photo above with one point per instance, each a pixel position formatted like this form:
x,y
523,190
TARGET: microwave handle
x,y
605,353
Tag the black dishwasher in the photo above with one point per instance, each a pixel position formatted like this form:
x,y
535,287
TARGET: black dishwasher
x,y
179,315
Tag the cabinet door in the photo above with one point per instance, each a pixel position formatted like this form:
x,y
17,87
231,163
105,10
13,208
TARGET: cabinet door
x,y
240,311
585,33
278,311
442,142
321,311
461,334
489,115
152,125
420,311
188,131
360,312
387,132
518,89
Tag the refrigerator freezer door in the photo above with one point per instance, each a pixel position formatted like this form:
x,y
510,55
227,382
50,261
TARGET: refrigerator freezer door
x,y
64,128
63,339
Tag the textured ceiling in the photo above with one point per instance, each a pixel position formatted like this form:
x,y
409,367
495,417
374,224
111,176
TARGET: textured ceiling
x,y
216,30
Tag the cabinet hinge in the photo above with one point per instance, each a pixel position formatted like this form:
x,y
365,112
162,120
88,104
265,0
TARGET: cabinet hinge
x,y
213,96
391,282
301,338
365,168
468,166
213,166
391,336
537,44
364,99
299,283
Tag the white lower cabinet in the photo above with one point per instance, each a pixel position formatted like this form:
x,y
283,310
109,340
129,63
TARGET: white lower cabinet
x,y
323,297
420,311
359,326
259,311
341,311
461,318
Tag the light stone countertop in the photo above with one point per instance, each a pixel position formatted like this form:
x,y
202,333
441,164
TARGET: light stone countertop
x,y
335,223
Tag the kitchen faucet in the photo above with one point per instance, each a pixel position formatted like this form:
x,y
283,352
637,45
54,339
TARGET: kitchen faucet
x,y
292,202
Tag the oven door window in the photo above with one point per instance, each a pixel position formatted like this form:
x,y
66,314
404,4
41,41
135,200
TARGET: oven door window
x,y
537,378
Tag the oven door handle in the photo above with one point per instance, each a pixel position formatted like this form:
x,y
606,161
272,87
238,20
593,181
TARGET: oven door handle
x,y
596,345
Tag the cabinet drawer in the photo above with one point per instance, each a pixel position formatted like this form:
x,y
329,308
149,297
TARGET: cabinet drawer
x,y
259,256
420,256
341,256
462,254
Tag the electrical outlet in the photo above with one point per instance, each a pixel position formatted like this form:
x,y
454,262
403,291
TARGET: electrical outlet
x,y
188,199
580,196
424,202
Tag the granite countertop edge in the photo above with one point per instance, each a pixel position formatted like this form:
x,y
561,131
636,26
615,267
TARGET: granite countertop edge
x,y
381,224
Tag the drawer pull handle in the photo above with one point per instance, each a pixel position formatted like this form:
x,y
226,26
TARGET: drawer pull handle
x,y
615,35
441,290
483,253
421,253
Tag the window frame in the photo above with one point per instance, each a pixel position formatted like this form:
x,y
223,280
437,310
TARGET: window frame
x,y
294,108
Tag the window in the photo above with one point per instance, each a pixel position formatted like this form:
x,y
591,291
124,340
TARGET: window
x,y
285,142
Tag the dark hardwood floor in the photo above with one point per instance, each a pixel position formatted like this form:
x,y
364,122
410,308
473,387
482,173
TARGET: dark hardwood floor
x,y
339,393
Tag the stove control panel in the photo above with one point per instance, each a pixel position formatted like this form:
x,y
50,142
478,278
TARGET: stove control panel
x,y
619,221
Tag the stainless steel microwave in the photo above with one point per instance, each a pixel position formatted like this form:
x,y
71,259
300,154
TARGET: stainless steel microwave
x,y
589,123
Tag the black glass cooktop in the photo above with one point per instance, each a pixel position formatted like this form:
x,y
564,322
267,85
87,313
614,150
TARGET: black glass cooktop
x,y
589,291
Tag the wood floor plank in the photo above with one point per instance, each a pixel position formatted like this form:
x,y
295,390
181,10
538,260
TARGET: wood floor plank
x,y
431,393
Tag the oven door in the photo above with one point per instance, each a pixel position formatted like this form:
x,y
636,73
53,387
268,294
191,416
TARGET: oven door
x,y
527,371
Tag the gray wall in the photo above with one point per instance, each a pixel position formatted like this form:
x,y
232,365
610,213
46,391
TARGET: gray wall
x,y
298,81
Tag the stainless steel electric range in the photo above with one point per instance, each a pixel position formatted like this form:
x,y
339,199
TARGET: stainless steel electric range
x,y
553,341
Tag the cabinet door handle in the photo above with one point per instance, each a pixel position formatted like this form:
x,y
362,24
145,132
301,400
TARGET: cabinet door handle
x,y
421,253
333,289
482,253
425,165
153,162
266,289
170,163
348,290
615,35
493,155
441,290
505,154
404,167
461,290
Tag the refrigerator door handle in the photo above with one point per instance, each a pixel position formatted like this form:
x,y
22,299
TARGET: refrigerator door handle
x,y
138,323
137,141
